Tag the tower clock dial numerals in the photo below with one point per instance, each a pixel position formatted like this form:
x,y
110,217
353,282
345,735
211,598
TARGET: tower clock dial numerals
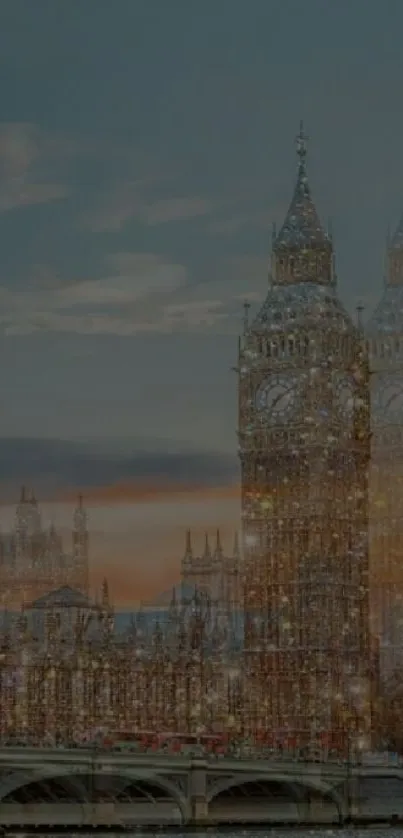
x,y
276,397
388,399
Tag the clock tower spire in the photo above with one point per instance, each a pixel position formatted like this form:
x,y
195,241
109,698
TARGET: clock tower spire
x,y
302,250
304,448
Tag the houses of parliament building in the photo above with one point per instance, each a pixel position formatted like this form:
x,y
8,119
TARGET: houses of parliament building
x,y
318,575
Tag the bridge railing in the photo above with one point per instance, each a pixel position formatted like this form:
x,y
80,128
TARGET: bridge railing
x,y
247,753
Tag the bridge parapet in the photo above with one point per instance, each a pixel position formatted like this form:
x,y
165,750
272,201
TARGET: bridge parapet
x,y
194,784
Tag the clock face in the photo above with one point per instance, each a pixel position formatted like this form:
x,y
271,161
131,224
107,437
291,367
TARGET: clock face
x,y
276,397
388,399
345,396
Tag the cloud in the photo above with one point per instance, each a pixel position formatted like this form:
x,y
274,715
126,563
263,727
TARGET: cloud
x,y
141,293
16,195
127,202
184,317
59,466
85,306
27,160
233,224
195,314
20,148
175,209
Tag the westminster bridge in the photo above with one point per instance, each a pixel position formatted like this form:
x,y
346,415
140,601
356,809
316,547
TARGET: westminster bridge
x,y
88,787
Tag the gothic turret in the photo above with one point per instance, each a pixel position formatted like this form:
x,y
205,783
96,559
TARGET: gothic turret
x,y
187,559
212,571
80,548
207,551
218,553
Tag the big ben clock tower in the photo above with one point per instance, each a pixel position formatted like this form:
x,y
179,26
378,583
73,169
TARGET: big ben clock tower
x,y
304,437
385,337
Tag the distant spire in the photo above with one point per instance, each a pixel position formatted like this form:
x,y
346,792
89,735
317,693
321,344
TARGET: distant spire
x,y
105,594
236,545
272,266
218,547
23,496
246,307
188,545
173,605
207,551
302,248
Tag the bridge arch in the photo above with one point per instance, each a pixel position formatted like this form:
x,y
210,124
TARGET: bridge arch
x,y
299,792
75,781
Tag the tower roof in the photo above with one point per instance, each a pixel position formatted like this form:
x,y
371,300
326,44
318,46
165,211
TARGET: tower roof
x,y
302,227
299,305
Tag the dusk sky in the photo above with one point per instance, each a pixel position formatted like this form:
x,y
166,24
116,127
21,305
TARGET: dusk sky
x,y
146,147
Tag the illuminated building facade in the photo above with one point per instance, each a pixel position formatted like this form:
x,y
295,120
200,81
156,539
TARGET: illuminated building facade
x,y
385,340
33,560
67,676
304,444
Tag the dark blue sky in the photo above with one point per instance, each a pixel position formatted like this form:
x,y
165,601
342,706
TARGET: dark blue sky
x,y
145,149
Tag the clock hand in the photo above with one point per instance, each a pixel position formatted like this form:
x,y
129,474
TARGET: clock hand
x,y
279,397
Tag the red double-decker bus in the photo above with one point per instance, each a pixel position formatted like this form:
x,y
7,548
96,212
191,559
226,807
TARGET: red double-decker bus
x,y
149,740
